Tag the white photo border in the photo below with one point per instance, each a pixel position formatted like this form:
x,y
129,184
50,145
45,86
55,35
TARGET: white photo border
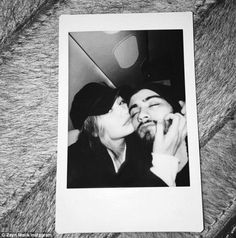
x,y
173,209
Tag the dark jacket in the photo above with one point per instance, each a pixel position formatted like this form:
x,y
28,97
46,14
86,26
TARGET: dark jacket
x,y
91,166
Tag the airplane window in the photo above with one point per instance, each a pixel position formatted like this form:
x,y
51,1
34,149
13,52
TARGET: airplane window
x,y
126,53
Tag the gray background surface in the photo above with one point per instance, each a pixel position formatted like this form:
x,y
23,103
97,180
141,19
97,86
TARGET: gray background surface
x,y
29,94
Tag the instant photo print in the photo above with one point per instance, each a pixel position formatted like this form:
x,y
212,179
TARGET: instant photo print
x,y
128,152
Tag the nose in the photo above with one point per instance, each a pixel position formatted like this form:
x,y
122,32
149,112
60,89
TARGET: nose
x,y
143,117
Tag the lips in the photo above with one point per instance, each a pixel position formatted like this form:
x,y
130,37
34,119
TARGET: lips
x,y
145,125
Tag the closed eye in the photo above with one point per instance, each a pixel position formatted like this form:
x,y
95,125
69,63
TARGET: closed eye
x,y
155,104
133,114
122,102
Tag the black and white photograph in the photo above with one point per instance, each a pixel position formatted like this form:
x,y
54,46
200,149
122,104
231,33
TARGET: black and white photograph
x,y
127,136
127,109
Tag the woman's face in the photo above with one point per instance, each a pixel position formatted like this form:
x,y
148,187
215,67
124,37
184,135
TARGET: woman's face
x,y
116,124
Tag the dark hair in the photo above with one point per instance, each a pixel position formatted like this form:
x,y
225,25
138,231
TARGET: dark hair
x,y
165,92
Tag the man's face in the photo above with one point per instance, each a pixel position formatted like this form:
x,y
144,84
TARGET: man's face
x,y
146,109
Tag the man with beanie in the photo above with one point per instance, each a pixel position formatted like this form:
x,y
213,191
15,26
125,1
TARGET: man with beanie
x,y
157,120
